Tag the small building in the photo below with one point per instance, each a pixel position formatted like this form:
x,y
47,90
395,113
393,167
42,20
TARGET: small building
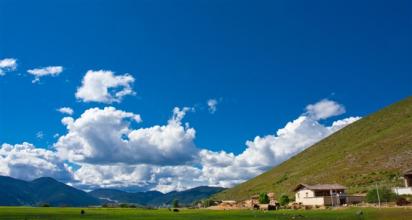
x,y
324,195
407,190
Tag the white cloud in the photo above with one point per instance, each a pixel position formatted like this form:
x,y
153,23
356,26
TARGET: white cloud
x,y
325,109
106,136
210,168
66,110
103,86
262,153
45,71
111,152
25,161
141,177
7,64
212,105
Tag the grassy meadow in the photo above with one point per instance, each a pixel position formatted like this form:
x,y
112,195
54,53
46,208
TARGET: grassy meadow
x,y
29,213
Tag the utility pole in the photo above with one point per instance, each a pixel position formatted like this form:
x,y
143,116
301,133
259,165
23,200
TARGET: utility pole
x,y
377,192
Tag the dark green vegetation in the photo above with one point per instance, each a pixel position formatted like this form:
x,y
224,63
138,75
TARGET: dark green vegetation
x,y
284,200
43,191
13,213
375,149
154,198
385,195
263,198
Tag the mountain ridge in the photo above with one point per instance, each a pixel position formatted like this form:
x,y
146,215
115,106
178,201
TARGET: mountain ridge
x,y
156,198
43,190
46,190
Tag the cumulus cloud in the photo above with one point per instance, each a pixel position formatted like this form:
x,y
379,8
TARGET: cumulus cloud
x,y
140,177
45,71
209,167
212,105
325,109
25,161
103,86
107,136
65,110
262,153
110,151
7,64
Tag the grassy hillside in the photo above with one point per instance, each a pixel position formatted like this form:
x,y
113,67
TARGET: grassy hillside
x,y
376,148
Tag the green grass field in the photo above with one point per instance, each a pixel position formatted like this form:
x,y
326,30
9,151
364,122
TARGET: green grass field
x,y
29,213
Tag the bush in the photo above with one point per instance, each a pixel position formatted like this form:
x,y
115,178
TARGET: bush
x,y
126,205
263,198
284,200
385,195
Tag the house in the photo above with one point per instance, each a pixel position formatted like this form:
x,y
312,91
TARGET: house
x,y
407,190
324,195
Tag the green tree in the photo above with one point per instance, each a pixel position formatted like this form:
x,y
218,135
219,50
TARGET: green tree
x,y
385,195
284,200
175,203
263,198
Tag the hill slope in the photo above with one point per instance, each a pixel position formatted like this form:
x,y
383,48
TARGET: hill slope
x,y
15,192
376,148
55,193
155,198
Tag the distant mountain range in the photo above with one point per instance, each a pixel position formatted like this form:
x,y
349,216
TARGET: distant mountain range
x,y
155,198
15,192
46,190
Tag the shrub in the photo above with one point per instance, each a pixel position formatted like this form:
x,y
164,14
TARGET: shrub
x,y
284,200
263,198
385,195
124,205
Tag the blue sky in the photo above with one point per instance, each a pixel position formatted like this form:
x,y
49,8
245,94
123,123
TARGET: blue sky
x,y
263,62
